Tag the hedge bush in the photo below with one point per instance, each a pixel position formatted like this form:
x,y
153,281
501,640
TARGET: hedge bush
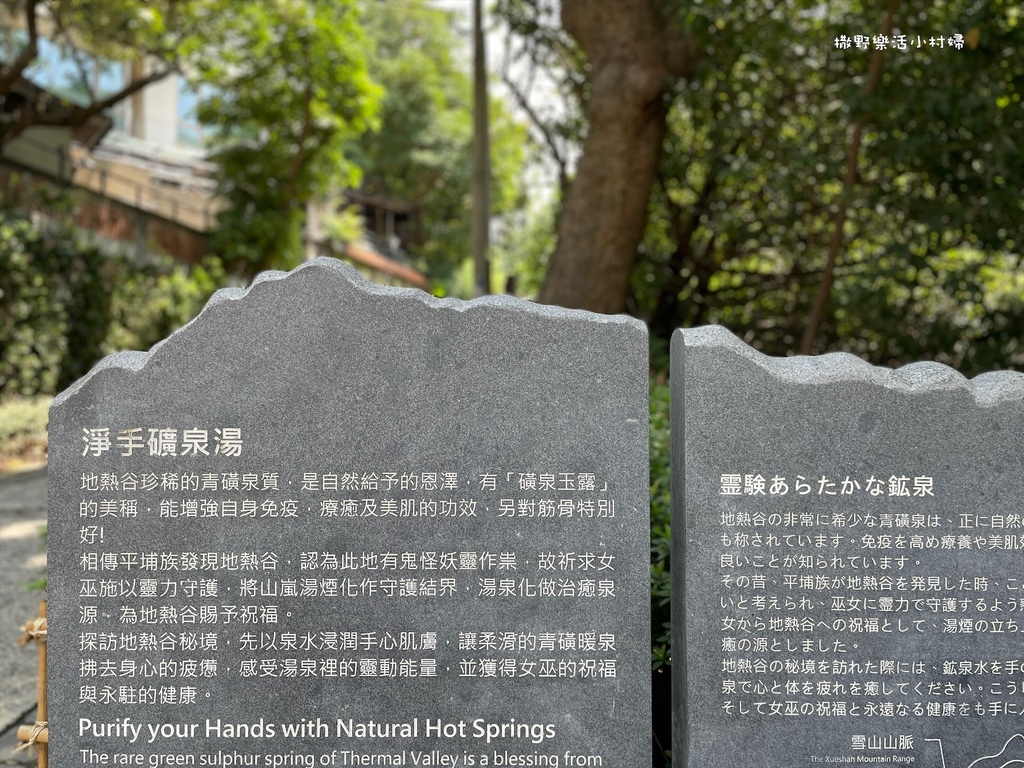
x,y
65,304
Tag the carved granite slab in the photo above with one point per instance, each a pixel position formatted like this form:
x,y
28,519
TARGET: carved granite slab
x,y
847,543
333,523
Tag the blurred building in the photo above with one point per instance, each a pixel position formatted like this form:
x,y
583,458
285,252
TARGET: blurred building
x,y
143,183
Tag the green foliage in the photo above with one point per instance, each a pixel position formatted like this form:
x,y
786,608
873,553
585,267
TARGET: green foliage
x,y
961,307
752,181
66,304
283,86
661,519
23,416
119,30
538,50
344,226
23,422
288,88
422,153
55,307
93,39
523,251
38,584
149,304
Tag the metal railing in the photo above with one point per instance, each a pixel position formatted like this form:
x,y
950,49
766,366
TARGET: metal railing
x,y
121,187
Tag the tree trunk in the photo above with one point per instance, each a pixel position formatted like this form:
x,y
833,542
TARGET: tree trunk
x,y
633,53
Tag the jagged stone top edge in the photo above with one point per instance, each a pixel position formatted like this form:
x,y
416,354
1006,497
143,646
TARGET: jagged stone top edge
x,y
459,305
134,361
988,388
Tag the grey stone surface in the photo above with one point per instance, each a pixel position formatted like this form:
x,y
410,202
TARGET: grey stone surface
x,y
451,619
22,560
848,622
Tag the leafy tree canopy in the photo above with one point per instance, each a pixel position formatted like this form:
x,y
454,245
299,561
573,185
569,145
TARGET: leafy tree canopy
x,y
787,156
422,152
287,91
886,181
165,34
301,98
283,86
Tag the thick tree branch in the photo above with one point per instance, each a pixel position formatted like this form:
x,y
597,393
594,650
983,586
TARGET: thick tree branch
x,y
78,115
817,312
545,131
9,73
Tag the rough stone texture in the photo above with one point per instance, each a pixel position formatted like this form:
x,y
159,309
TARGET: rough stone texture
x,y
835,416
325,373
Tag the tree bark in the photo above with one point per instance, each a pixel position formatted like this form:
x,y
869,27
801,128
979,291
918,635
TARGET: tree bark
x,y
634,53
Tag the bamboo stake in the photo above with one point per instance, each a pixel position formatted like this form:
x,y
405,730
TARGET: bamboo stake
x,y
41,716
37,735
25,733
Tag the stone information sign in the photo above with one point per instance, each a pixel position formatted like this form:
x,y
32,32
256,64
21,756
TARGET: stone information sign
x,y
848,548
330,523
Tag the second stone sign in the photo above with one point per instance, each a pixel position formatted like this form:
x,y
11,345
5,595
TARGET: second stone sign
x,y
849,539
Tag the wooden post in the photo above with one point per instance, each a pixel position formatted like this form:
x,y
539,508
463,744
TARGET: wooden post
x,y
41,715
480,229
37,735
